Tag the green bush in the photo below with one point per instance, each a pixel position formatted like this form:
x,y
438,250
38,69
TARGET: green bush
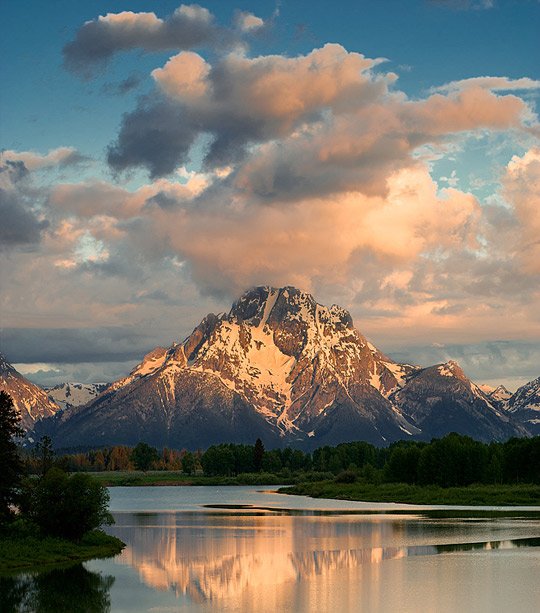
x,y
65,506
346,476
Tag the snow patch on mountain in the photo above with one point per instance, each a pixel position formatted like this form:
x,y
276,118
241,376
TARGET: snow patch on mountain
x,y
67,395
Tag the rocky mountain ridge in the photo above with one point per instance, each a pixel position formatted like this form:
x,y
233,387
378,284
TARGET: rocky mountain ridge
x,y
524,406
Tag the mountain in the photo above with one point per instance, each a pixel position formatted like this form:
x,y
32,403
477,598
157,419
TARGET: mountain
x,y
498,394
67,395
524,406
30,400
441,399
284,368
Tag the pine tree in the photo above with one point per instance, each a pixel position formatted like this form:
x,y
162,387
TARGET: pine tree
x,y
45,454
11,467
258,454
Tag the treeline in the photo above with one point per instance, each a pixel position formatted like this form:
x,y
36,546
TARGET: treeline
x,y
457,460
454,460
116,458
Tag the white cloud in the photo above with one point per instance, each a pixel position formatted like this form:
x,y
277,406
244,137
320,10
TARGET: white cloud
x,y
247,22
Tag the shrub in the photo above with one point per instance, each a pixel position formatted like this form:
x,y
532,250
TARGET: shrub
x,y
346,476
67,507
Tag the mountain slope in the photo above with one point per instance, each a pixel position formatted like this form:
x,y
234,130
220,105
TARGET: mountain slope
x,y
441,399
524,406
279,366
30,400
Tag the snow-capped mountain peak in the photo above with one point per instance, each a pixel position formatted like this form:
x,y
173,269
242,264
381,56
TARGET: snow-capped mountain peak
x,y
281,366
524,405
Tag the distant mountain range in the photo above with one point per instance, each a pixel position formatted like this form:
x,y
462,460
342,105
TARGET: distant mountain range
x,y
281,367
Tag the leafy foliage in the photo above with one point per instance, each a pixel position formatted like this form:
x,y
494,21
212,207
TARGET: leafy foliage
x,y
65,506
143,456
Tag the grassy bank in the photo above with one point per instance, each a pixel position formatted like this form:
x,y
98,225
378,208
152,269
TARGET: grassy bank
x,y
493,495
139,478
21,548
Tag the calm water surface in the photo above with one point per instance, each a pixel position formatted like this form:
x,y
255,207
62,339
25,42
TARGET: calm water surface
x,y
242,549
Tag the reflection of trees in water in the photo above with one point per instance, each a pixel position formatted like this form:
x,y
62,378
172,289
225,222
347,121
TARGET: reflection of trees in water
x,y
73,589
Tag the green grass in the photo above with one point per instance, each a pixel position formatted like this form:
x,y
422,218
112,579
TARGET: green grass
x,y
23,548
491,495
139,478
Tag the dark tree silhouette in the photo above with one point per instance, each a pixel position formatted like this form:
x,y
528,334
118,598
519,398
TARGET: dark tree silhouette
x,y
45,454
11,467
258,455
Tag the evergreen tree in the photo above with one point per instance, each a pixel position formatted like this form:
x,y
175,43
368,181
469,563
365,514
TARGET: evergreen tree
x,y
45,454
11,467
258,455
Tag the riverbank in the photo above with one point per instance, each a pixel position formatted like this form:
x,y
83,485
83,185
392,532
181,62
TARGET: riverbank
x,y
489,495
22,549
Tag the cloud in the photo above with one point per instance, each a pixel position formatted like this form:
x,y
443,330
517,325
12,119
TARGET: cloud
x,y
238,102
62,157
154,136
248,22
521,188
49,375
21,221
465,5
511,363
20,226
231,247
123,87
60,345
491,83
331,110
12,172
97,41
90,199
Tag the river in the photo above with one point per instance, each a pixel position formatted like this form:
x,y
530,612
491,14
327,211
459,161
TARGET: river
x,y
199,549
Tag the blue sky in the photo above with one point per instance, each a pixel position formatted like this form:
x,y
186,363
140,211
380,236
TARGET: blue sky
x,y
129,242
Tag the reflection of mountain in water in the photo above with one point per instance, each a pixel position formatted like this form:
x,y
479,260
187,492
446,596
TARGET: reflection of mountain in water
x,y
225,559
64,589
